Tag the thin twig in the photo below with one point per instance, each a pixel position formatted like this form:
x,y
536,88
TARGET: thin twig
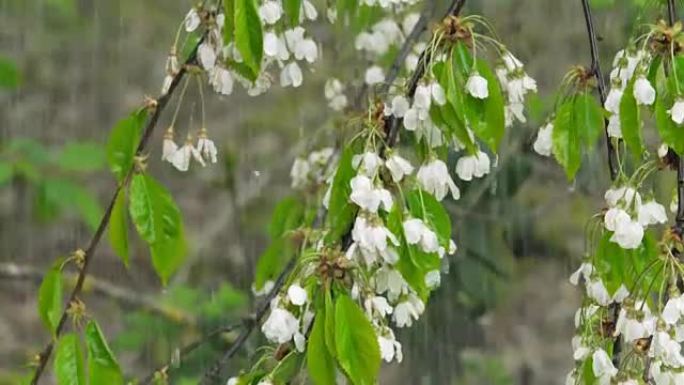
x,y
187,349
97,237
679,219
129,298
598,74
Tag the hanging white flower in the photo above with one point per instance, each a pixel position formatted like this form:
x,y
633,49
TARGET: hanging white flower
x,y
377,305
644,93
612,104
367,163
477,166
368,197
666,349
434,178
663,149
674,309
411,120
614,127
206,147
308,10
169,147
407,311
597,291
615,217
297,295
182,157
270,12
398,167
627,196
207,55
233,381
300,173
222,80
603,366
628,234
652,213
633,328
416,231
371,241
477,86
388,280
580,351
399,106
433,279
390,348
291,75
584,271
422,98
544,142
280,326
438,94
677,111
192,20
374,75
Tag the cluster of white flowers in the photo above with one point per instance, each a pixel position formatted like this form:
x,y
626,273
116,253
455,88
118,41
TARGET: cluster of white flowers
x,y
389,3
516,84
628,230
626,65
180,157
334,93
290,318
313,169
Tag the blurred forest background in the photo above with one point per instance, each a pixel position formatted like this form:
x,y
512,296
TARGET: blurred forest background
x,y
72,68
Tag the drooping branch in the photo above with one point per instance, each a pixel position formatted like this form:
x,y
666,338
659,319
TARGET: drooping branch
x,y
161,103
679,219
600,79
213,374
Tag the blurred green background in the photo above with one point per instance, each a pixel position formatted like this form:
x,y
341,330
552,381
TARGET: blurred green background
x,y
69,69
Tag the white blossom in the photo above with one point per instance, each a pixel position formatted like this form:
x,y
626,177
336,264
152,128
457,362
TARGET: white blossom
x,y
585,270
470,166
544,142
612,103
674,309
207,55
390,348
367,163
666,349
300,173
614,217
374,75
644,93
398,167
628,234
390,281
652,213
169,147
417,232
602,366
434,178
270,12
614,127
677,111
192,20
297,295
280,326
372,241
222,80
477,86
378,305
433,279
399,106
407,311
634,328
291,75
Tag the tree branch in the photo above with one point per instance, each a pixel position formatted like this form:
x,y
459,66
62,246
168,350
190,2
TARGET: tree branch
x,y
105,288
679,219
213,374
97,237
598,74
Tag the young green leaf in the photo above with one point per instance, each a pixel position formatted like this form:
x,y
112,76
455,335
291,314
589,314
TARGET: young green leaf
x,y
567,147
292,9
229,21
158,221
123,142
494,114
287,216
272,261
118,228
590,119
320,363
670,132
68,365
341,211
50,298
249,35
288,368
630,121
356,344
103,369
330,323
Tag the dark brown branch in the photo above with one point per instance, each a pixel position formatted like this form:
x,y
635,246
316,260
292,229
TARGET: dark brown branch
x,y
97,237
600,79
679,219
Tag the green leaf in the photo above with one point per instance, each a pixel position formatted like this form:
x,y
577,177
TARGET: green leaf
x,y
292,9
494,127
82,157
330,323
123,142
6,172
158,221
272,261
229,22
50,298
566,140
590,119
103,369
320,363
118,228
287,216
356,344
10,77
288,368
68,365
341,211
630,122
248,35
